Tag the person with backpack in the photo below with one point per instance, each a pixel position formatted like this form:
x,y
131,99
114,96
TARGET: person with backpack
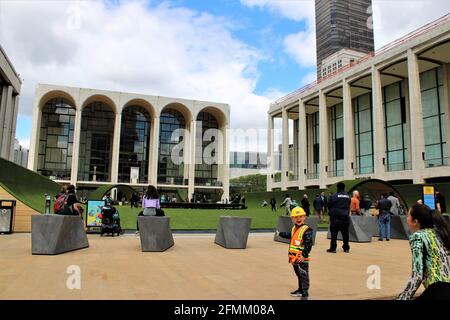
x,y
60,201
68,204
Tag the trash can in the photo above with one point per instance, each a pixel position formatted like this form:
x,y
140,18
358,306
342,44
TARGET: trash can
x,y
7,210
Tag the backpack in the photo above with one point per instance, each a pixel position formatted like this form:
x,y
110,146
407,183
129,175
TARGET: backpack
x,y
59,204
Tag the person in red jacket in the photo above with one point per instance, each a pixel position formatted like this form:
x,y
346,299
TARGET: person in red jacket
x,y
299,250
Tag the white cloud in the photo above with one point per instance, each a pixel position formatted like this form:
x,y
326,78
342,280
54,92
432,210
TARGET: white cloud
x,y
297,10
301,46
131,47
394,19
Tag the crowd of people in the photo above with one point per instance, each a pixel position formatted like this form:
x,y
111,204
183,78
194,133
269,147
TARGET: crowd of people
x,y
429,240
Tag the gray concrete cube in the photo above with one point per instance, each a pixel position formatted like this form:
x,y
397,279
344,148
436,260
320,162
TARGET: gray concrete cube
x,y
155,233
399,228
285,224
54,234
361,229
232,232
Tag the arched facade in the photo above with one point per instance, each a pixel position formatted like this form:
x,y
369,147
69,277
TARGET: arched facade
x,y
56,135
96,142
134,144
206,154
101,135
172,128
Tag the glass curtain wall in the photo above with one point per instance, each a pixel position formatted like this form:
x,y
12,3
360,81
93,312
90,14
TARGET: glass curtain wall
x,y
134,143
170,172
206,166
96,140
433,108
395,128
56,139
313,145
337,136
362,107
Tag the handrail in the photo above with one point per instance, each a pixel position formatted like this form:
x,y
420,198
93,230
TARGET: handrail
x,y
405,38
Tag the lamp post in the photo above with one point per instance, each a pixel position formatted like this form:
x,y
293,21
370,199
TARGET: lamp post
x,y
94,178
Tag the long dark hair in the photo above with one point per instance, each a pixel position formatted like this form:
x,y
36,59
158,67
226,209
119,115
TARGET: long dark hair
x,y
151,193
429,219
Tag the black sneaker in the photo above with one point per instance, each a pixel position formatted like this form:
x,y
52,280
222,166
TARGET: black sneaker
x,y
295,293
331,251
380,239
347,251
388,239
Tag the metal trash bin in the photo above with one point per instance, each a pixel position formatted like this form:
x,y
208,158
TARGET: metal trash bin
x,y
7,211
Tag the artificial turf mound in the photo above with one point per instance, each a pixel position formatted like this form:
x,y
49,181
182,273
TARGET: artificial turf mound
x,y
25,185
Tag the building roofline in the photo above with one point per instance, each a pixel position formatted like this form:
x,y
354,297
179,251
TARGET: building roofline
x,y
10,64
61,87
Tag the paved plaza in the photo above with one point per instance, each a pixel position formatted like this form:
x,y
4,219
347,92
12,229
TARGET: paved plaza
x,y
196,268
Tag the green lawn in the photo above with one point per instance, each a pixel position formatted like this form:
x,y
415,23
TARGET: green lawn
x,y
188,219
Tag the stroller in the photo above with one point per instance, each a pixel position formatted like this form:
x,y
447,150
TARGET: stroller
x,y
110,221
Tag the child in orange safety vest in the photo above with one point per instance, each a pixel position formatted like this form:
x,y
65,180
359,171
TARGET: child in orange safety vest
x,y
299,250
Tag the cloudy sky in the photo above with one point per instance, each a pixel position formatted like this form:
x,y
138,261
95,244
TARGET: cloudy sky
x,y
242,52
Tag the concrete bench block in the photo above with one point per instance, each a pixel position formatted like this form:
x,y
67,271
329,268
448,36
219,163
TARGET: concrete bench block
x,y
232,232
361,229
399,228
155,233
54,234
285,224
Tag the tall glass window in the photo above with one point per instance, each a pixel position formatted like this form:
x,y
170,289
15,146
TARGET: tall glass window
x,y
395,127
170,172
432,87
315,147
205,163
362,107
56,139
96,140
134,143
337,136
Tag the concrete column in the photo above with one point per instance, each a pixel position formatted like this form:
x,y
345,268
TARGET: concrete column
x,y
324,139
186,153
153,163
116,149
270,154
8,136
349,131
379,139
76,147
34,139
13,127
285,151
417,133
191,185
405,89
225,162
5,109
302,148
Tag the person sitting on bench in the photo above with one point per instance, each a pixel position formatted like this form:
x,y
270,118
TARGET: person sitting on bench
x,y
150,204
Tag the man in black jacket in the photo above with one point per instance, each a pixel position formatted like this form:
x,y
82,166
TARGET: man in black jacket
x,y
339,211
384,217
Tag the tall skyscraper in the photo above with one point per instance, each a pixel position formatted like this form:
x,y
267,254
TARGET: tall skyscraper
x,y
342,25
